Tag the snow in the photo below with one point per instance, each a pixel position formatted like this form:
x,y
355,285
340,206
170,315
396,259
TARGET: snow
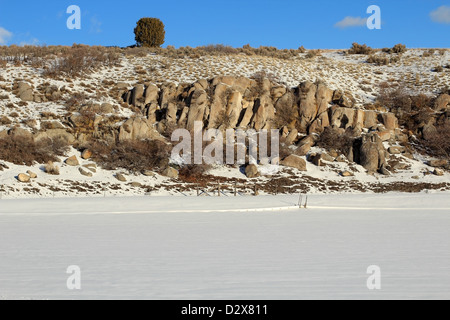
x,y
227,247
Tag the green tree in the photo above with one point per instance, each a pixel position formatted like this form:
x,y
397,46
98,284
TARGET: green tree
x,y
149,32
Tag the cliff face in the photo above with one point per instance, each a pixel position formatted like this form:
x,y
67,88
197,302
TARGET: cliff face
x,y
229,102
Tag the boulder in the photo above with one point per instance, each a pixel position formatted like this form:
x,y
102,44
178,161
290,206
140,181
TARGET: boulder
x,y
347,174
383,170
197,108
264,111
22,177
389,121
137,129
32,174
347,100
120,177
429,132
384,135
136,95
85,172
439,163
151,94
168,93
148,173
319,159
136,185
277,92
291,137
303,149
341,158
171,113
72,161
372,153
324,96
370,119
25,91
86,154
170,173
91,167
342,117
55,134
319,124
234,108
251,171
294,161
438,172
396,150
218,104
308,103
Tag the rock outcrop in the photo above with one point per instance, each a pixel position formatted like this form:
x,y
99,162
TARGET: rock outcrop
x,y
229,102
372,153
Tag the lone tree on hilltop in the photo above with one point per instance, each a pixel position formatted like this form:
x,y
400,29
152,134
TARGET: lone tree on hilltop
x,y
149,32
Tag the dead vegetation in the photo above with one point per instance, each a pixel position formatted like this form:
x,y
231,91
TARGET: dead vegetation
x,y
360,49
134,156
23,150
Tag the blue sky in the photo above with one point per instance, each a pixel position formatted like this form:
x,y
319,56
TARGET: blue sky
x,y
280,23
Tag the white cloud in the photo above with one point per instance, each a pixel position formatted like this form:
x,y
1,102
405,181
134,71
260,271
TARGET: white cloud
x,y
31,42
4,36
441,15
95,25
349,22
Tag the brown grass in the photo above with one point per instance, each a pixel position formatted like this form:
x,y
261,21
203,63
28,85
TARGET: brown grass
x,y
135,156
51,168
360,49
23,150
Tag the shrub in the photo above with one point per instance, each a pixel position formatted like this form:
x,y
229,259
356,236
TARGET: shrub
x,y
398,48
421,101
428,53
378,60
51,168
22,150
223,119
438,143
360,49
4,121
394,97
149,32
192,172
81,59
331,139
134,155
312,54
285,115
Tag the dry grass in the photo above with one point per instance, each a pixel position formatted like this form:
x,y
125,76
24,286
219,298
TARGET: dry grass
x,y
23,150
135,156
360,49
51,168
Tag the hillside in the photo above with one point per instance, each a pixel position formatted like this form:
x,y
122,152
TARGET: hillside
x,y
348,122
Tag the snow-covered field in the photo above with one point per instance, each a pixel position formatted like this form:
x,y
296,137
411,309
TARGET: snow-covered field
x,y
227,248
